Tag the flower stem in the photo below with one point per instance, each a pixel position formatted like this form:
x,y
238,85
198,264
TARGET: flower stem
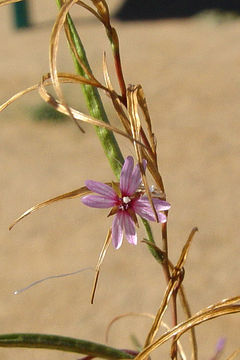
x,y
94,103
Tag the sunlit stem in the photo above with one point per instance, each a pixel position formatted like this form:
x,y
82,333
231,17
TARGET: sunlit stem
x,y
113,37
95,105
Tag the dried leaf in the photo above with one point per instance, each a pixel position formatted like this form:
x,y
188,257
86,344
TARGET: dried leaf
x,y
176,275
106,73
206,314
103,11
70,195
162,309
91,10
77,115
100,261
132,104
147,315
234,354
6,2
53,49
17,96
185,249
143,104
116,318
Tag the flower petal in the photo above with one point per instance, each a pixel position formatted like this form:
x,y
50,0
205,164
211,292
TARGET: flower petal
x,y
159,204
126,175
136,178
97,201
100,188
143,208
117,230
130,229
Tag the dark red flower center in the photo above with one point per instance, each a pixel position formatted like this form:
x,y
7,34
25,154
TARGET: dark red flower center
x,y
125,203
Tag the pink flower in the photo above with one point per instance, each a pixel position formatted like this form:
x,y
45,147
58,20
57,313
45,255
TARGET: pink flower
x,y
126,200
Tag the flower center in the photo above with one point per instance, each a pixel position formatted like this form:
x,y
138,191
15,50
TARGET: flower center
x,y
125,203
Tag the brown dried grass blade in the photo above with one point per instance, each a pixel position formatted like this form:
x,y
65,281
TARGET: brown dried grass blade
x,y
69,195
17,96
162,309
132,105
176,275
87,71
79,116
150,152
185,250
91,10
54,43
120,111
102,9
63,78
234,354
143,105
106,73
209,313
115,98
53,50
99,263
147,315
185,307
154,172
116,318
6,2
188,313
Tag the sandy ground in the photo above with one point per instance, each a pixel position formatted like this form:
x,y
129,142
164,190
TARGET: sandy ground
x,y
190,73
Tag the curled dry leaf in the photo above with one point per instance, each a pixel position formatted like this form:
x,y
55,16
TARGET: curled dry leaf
x,y
206,314
70,195
116,318
53,49
79,116
17,96
63,78
146,315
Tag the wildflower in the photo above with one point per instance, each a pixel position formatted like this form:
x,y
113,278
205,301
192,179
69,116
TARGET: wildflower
x,y
126,200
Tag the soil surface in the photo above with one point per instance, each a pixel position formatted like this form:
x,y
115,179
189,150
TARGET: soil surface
x,y
189,70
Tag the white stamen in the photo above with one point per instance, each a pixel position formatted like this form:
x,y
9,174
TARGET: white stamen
x,y
126,199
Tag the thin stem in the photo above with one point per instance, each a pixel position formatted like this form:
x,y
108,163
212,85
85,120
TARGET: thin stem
x,y
113,37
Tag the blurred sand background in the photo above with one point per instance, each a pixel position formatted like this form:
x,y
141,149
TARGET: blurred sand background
x,y
190,73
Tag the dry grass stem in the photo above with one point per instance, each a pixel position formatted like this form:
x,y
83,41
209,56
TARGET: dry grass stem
x,y
79,116
69,195
234,354
209,313
100,261
7,2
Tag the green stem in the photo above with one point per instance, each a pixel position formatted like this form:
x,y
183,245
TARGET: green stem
x,y
62,343
95,105
96,109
